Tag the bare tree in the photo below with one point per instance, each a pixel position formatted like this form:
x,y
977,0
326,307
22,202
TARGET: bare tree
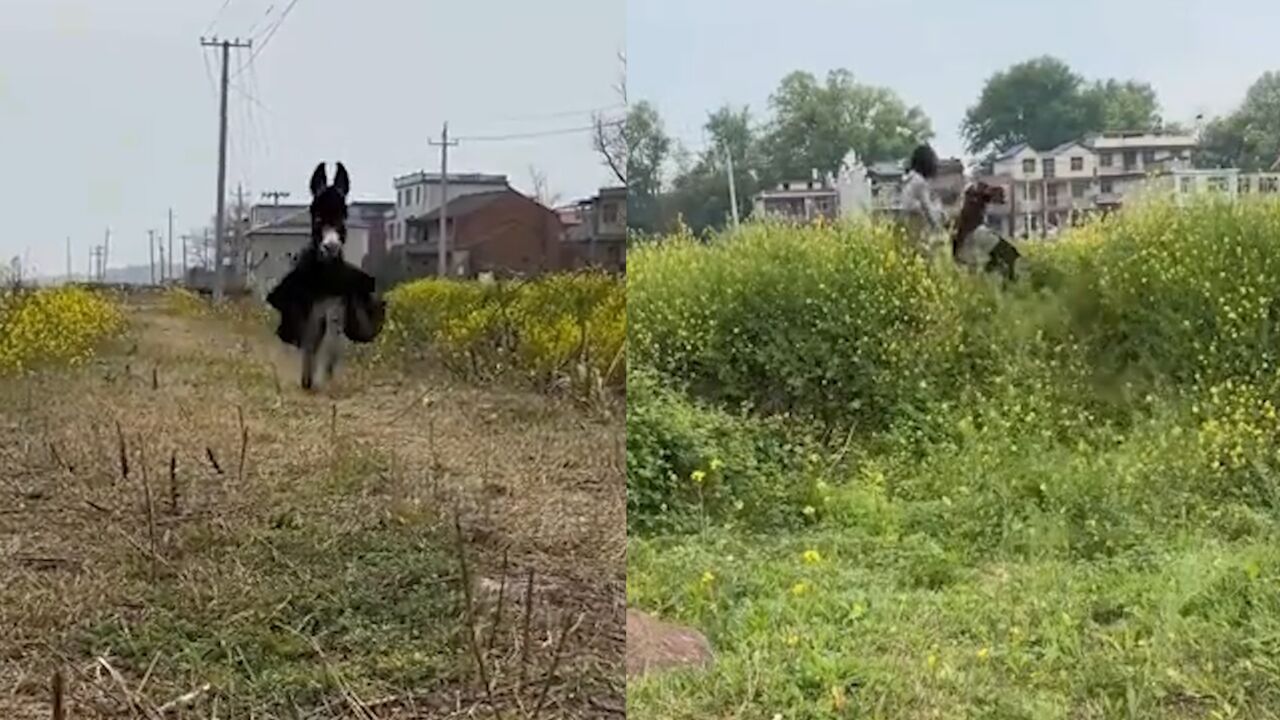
x,y
610,136
541,188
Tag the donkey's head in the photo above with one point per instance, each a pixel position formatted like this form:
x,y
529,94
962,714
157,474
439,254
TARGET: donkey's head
x,y
329,212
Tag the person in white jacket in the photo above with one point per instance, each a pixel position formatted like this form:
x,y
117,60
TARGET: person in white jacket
x,y
924,216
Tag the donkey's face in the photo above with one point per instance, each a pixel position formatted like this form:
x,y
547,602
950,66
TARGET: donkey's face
x,y
329,212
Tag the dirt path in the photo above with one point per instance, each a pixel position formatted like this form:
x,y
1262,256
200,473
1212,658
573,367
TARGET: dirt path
x,y
321,576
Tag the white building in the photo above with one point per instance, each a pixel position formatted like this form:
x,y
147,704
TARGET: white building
x,y
1185,184
845,194
418,194
1055,188
278,233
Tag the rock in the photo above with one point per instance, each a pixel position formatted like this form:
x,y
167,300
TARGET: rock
x,y
656,645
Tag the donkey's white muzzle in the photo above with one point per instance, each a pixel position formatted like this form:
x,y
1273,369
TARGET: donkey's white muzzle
x,y
330,244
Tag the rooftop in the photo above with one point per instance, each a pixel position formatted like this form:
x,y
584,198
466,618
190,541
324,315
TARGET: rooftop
x,y
434,177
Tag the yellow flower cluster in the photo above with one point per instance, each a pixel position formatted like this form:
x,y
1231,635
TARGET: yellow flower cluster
x,y
544,326
52,326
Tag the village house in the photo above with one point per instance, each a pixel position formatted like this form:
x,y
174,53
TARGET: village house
x,y
595,231
501,232
278,233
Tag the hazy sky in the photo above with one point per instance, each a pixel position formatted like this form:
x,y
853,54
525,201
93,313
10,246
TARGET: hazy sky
x,y
108,110
690,57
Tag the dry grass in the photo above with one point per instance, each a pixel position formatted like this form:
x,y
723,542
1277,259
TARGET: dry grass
x,y
178,519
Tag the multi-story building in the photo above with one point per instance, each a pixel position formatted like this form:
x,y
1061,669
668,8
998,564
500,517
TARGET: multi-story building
x,y
1050,189
419,194
596,231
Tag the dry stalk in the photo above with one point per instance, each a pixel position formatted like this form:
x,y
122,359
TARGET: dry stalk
x,y
244,444
557,654
59,712
524,631
502,598
471,620
124,452
208,453
151,508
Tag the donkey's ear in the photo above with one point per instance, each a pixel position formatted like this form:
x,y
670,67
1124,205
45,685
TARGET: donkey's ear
x,y
341,182
318,180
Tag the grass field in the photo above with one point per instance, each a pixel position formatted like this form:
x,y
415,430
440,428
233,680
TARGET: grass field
x,y
177,516
885,490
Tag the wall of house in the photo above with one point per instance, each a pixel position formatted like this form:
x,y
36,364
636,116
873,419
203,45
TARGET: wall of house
x,y
415,199
511,234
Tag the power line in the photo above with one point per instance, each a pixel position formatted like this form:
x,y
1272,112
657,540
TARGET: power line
x,y
537,134
217,16
271,31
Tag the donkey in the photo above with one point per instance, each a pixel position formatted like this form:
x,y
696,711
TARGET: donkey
x,y
324,297
971,242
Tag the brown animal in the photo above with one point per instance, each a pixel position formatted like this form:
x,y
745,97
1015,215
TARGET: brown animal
x,y
1003,255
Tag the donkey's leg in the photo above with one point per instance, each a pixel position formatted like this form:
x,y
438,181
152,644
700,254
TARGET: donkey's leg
x,y
312,334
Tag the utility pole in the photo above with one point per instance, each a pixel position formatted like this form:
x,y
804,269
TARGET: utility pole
x,y
733,190
184,258
169,265
443,268
275,196
151,247
218,219
106,254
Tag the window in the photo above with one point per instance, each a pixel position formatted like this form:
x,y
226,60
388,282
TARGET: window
x,y
1242,186
417,195
1269,185
1029,166
1035,192
1148,157
1217,184
1077,164
1107,187
1078,189
1050,167
1185,185
1130,159
1053,194
1104,159
610,213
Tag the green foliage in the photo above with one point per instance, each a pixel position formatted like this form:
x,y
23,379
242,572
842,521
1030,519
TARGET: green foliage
x,y
1249,137
647,150
1058,500
1044,103
816,125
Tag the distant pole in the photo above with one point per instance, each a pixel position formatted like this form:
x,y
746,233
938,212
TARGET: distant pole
x,y
68,259
218,219
184,259
169,265
733,190
442,268
151,247
106,255
237,260
275,196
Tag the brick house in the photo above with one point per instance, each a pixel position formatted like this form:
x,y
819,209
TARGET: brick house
x,y
501,232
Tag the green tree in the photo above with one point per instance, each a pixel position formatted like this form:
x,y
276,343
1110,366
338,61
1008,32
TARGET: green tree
x,y
1037,102
816,125
700,192
1249,138
647,150
1128,105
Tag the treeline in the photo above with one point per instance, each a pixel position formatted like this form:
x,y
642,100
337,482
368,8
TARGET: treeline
x,y
813,124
